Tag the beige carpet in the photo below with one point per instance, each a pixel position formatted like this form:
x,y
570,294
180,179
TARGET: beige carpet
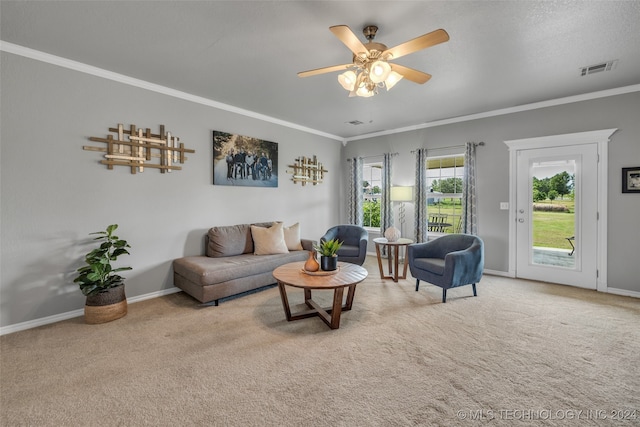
x,y
520,353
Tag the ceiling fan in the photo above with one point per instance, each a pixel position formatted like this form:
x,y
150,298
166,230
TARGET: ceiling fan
x,y
371,67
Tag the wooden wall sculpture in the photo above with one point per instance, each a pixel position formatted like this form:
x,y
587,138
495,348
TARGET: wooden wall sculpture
x,y
137,148
307,169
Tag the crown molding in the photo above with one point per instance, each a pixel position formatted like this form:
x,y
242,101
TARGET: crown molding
x,y
131,81
504,111
121,78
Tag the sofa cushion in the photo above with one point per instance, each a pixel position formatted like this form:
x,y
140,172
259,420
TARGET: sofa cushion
x,y
269,241
229,240
292,237
432,265
205,271
349,250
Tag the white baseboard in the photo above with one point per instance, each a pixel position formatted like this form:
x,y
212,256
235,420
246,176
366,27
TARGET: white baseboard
x,y
497,273
623,292
153,295
77,313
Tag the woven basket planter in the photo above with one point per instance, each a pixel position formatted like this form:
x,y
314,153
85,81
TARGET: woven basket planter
x,y
106,306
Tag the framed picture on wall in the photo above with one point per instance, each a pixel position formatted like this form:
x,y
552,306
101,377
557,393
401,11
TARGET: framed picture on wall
x,y
631,180
244,161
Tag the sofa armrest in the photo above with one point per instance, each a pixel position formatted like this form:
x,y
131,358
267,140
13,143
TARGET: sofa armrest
x,y
465,266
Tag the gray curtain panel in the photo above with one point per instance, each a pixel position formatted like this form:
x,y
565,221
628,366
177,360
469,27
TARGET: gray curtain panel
x,y
421,218
386,213
469,205
356,213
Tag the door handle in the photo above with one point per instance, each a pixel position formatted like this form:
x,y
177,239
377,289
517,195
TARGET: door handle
x,y
520,219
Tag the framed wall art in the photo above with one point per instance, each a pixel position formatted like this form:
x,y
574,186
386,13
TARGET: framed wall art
x,y
631,180
244,161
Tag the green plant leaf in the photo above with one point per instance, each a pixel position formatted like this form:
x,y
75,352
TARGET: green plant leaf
x,y
116,253
328,247
98,274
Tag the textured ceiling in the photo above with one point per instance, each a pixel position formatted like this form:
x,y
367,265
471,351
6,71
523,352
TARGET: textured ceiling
x,y
247,54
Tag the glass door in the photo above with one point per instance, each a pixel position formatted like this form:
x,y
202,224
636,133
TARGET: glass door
x,y
556,218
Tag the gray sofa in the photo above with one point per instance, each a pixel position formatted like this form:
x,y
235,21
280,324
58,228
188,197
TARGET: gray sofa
x,y
230,266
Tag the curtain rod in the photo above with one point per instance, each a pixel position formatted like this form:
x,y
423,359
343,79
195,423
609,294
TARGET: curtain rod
x,y
481,143
370,157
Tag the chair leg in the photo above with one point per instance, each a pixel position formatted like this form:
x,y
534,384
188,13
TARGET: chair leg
x,y
475,294
444,295
417,284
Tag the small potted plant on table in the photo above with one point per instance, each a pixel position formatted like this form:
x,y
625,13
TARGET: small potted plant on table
x,y
328,251
104,289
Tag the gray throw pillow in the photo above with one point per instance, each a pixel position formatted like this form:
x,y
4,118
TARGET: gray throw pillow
x,y
229,241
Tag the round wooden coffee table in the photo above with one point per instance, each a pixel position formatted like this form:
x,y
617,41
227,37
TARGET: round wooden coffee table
x,y
347,276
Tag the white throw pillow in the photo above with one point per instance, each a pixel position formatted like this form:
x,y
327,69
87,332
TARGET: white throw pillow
x,y
292,237
269,241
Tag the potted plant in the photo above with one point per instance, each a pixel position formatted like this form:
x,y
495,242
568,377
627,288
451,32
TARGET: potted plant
x,y
104,289
328,251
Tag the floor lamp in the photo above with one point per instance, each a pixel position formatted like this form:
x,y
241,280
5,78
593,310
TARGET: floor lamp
x,y
401,194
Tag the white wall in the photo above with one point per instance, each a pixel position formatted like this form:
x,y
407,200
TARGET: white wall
x,y
620,111
53,193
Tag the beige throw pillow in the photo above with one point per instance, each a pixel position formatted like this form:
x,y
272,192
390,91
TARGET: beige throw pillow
x,y
268,241
292,237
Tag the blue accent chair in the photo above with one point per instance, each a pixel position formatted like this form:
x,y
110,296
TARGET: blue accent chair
x,y
354,246
448,261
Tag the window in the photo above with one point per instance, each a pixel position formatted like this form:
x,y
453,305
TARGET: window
x,y
372,191
444,199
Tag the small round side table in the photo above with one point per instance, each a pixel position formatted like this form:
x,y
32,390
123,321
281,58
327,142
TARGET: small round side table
x,y
393,257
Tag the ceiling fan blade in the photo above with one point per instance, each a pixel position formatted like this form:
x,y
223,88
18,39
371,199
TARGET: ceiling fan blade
x,y
411,74
347,37
323,70
427,40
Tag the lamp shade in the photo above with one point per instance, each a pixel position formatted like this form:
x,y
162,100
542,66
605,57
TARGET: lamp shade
x,y
347,80
379,71
392,79
401,194
364,92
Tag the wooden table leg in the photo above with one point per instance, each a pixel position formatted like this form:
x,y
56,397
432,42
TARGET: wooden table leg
x,y
406,263
350,294
285,300
379,261
336,310
395,261
307,297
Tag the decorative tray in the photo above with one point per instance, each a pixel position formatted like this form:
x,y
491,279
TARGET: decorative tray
x,y
321,272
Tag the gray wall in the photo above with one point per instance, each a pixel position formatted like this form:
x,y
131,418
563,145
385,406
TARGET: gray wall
x,y
621,111
53,193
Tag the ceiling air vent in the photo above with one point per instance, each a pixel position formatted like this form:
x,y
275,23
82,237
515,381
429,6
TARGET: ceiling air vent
x,y
592,69
355,122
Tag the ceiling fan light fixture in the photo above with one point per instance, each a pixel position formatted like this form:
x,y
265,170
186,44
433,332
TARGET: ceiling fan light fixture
x,y
370,68
379,71
392,79
364,92
347,80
